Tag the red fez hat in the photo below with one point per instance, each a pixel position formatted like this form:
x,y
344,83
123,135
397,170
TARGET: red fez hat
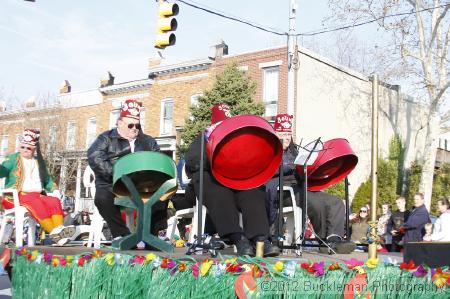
x,y
220,112
30,136
131,109
283,123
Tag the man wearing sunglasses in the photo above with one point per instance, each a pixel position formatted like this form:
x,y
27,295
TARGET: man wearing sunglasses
x,y
111,145
26,172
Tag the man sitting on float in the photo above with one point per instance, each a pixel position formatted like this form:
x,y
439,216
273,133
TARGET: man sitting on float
x,y
224,204
26,171
325,211
104,153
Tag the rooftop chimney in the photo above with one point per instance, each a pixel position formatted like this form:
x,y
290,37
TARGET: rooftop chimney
x,y
107,80
65,87
218,50
154,61
30,102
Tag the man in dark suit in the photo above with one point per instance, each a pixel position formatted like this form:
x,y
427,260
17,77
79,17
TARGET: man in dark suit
x,y
413,228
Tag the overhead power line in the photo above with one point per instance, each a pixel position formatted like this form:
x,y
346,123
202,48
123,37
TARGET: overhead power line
x,y
310,33
227,16
316,32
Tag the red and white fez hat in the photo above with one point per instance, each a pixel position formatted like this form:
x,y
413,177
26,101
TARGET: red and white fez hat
x,y
283,123
220,112
30,137
132,109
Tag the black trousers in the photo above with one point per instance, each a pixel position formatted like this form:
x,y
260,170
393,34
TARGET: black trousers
x,y
225,204
326,212
104,200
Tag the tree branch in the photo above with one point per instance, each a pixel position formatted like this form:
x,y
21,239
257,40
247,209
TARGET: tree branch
x,y
436,26
441,92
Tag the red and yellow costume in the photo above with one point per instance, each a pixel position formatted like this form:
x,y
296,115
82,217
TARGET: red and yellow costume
x,y
46,210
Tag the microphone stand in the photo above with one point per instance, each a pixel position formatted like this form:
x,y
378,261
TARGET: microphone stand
x,y
304,187
305,206
347,209
280,233
199,238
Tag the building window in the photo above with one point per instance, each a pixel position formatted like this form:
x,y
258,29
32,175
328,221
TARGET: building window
x,y
4,146
70,141
194,102
166,117
17,145
270,90
194,99
91,131
142,119
113,117
51,145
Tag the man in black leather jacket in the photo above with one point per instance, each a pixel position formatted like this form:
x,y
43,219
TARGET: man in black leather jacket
x,y
105,151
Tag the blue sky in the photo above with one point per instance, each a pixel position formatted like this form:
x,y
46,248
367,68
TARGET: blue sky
x,y
45,42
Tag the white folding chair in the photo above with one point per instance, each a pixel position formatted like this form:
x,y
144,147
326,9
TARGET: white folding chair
x,y
186,213
19,213
296,226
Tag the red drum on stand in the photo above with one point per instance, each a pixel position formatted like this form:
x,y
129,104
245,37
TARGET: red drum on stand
x,y
332,164
244,152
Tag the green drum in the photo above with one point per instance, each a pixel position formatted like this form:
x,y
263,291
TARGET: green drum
x,y
139,180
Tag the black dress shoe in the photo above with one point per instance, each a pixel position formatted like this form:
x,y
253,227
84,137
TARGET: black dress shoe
x,y
244,247
270,249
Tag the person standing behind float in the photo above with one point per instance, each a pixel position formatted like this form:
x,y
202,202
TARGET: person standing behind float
x,y
441,230
105,151
398,218
413,229
359,226
382,231
224,204
29,176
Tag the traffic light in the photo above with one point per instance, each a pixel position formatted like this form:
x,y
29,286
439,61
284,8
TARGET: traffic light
x,y
166,24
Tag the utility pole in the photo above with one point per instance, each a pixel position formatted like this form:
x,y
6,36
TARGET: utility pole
x,y
291,59
374,195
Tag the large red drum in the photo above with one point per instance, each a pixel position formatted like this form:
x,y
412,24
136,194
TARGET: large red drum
x,y
244,152
332,164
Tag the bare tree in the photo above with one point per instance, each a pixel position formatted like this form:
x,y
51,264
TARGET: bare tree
x,y
46,115
419,32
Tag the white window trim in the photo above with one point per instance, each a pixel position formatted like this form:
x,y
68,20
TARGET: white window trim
x,y
87,130
142,118
51,145
3,153
17,142
243,68
112,124
264,100
74,135
161,118
264,65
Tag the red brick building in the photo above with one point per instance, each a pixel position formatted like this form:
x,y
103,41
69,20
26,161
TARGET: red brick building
x,y
69,127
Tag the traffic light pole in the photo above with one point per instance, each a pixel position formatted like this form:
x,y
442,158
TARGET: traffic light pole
x,y
292,57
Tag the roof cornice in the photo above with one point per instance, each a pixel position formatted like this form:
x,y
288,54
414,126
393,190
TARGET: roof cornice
x,y
187,66
126,86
